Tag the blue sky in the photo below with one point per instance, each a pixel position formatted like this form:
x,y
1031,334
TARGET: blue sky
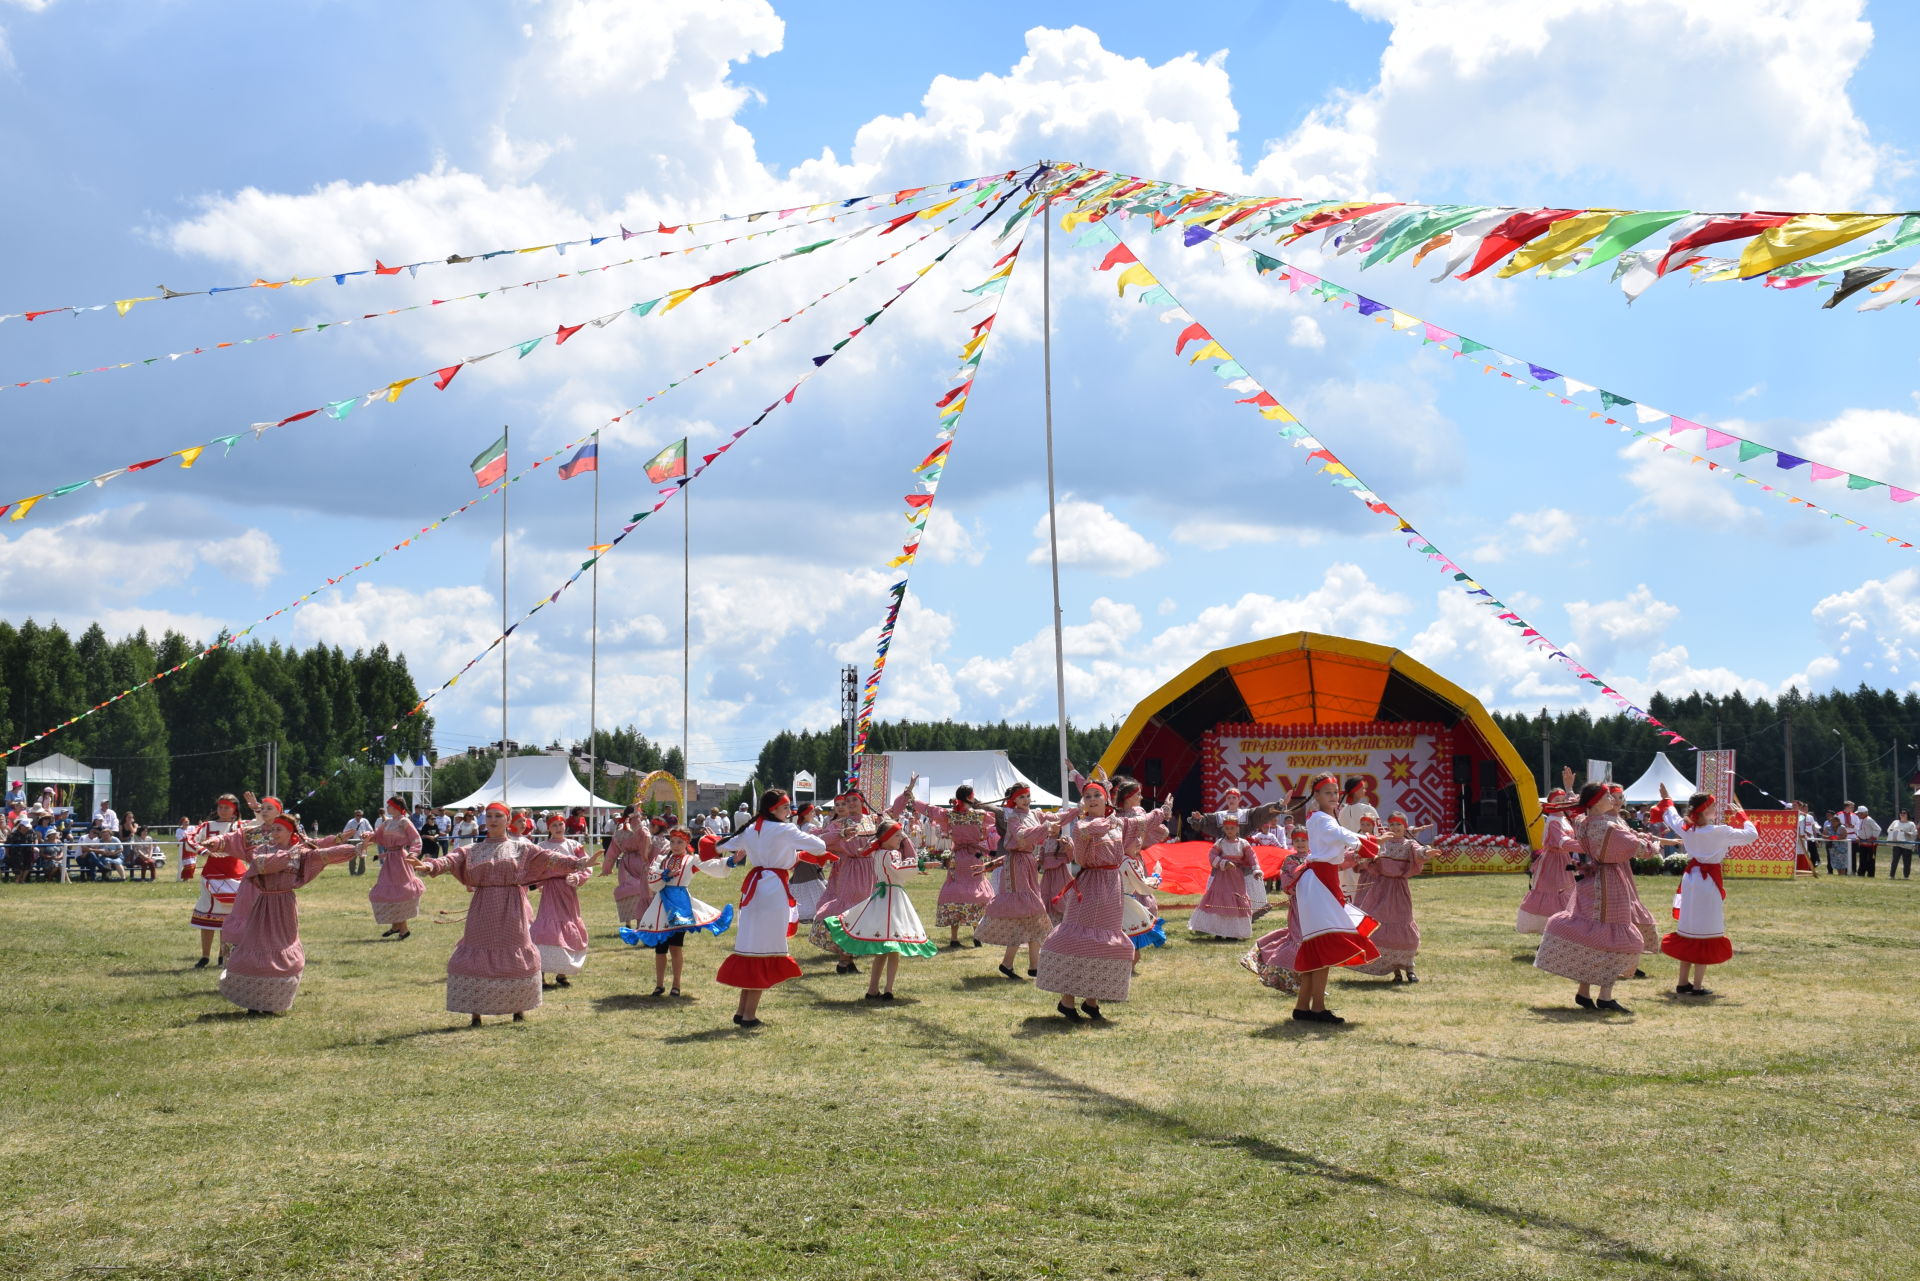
x,y
193,144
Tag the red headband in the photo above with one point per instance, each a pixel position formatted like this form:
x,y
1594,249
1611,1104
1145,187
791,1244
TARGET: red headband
x,y
1695,811
496,806
1357,785
293,828
273,801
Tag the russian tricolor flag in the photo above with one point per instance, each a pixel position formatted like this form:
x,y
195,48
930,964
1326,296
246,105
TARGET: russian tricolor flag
x,y
588,459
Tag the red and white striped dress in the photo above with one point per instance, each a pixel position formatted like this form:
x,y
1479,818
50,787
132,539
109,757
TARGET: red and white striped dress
x,y
1088,954
1595,940
1552,879
263,970
1332,933
495,968
396,891
1018,914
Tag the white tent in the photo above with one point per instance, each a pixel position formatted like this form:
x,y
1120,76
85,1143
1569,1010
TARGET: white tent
x,y
533,782
1646,789
62,771
990,772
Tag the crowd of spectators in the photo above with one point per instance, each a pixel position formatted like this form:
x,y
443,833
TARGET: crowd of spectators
x,y
49,840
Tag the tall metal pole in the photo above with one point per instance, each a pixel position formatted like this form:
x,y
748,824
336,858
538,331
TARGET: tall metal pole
x,y
506,447
1053,529
1546,755
593,659
686,638
1789,754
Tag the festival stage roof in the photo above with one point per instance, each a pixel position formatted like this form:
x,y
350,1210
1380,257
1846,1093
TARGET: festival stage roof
x,y
1306,678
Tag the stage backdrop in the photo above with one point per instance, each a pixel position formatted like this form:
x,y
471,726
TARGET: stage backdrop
x,y
1406,764
1773,854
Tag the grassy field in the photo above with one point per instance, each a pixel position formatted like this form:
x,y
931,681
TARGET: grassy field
x,y
1474,1126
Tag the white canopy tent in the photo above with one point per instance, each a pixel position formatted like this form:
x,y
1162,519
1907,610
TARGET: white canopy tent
x,y
62,771
1646,789
990,772
533,782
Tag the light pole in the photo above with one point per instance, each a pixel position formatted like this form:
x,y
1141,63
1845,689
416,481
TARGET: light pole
x,y
1843,767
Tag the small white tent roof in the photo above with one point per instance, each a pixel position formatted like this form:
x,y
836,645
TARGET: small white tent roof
x,y
57,768
990,772
533,782
1646,789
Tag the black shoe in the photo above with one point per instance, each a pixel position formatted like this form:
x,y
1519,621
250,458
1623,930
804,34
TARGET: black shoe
x,y
1092,1011
391,931
1008,971
675,992
1398,979
748,1022
561,979
736,1019
402,936
976,942
842,967
1033,974
1068,1012
1303,1016
659,989
474,1022
200,964
1612,1005
874,996
886,996
1639,974
546,987
1328,1016
1584,1002
1684,989
519,1017
1412,977
1701,991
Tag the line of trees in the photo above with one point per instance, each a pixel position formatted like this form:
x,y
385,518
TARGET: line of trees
x,y
1844,744
1034,750
173,747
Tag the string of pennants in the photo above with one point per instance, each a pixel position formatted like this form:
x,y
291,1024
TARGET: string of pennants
x,y
666,495
390,392
929,470
1642,246
230,638
122,306
1538,377
1223,365
496,291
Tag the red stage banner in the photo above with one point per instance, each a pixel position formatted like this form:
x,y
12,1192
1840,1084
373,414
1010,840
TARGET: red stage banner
x,y
1405,764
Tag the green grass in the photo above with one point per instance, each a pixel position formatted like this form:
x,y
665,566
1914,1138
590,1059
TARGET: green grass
x,y
1473,1126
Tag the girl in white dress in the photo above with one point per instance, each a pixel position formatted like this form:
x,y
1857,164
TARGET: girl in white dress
x,y
1699,907
1332,933
768,914
885,926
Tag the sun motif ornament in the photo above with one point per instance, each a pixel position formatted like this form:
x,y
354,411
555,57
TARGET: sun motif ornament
x,y
1255,773
1400,769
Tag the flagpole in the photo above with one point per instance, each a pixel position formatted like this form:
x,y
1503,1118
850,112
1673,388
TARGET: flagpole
x,y
505,452
593,660
686,636
1053,533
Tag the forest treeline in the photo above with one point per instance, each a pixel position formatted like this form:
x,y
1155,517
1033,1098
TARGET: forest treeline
x,y
175,745
1846,746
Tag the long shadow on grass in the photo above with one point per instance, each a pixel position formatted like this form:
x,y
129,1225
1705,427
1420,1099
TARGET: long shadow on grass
x,y
1587,1239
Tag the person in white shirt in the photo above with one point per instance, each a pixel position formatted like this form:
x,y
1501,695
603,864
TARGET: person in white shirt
x,y
1866,842
107,818
358,831
1901,836
1806,831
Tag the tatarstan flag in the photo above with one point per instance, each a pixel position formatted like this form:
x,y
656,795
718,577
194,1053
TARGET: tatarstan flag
x,y
669,464
491,464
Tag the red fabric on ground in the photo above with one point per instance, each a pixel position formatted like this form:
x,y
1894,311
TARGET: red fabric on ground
x,y
1184,865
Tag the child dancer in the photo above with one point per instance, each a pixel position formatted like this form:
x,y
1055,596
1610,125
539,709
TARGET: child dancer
x,y
1384,895
1087,954
767,918
1271,957
885,927
395,894
675,912
1018,913
1699,908
1224,910
967,891
1594,941
262,973
1552,888
1331,933
220,874
850,880
558,930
